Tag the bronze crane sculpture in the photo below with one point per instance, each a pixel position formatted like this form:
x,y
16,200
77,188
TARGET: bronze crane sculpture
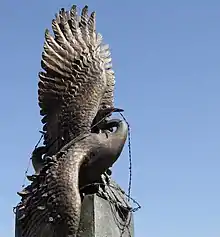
x,y
76,98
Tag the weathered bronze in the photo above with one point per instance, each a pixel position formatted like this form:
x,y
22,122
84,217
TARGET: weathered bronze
x,y
70,193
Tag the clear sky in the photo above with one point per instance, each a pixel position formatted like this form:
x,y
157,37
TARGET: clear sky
x,y
167,64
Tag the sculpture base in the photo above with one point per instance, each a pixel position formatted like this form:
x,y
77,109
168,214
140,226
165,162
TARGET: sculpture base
x,y
105,212
100,218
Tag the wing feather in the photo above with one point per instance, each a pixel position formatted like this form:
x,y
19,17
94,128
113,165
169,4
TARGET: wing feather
x,y
77,79
108,98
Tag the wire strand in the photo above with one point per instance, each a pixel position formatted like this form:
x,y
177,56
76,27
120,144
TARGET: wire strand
x,y
29,161
130,157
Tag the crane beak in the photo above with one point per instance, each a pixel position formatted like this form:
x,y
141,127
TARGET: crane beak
x,y
117,110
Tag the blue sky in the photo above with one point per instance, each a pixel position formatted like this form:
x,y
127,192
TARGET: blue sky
x,y
167,64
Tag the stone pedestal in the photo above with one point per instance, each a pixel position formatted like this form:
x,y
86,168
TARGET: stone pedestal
x,y
100,218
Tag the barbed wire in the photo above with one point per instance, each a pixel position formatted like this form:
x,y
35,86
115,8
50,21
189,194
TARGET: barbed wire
x,y
138,206
110,200
129,156
129,152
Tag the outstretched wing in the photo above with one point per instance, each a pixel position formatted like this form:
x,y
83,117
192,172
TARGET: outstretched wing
x,y
77,80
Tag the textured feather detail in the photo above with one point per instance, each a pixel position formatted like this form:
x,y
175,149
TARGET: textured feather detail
x,y
77,80
107,100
